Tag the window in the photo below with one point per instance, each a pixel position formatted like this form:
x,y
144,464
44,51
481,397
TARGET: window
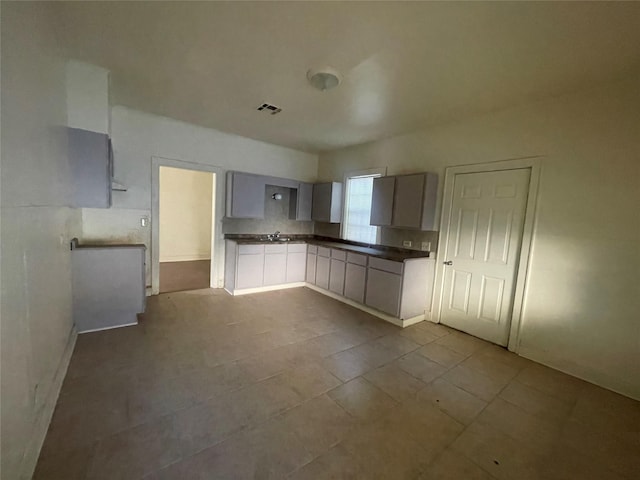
x,y
358,209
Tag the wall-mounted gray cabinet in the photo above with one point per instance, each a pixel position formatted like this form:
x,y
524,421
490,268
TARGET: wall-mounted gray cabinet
x,y
382,201
91,165
245,195
300,202
327,202
405,201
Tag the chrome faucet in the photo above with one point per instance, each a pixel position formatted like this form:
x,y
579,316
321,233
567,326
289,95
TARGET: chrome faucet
x,y
273,236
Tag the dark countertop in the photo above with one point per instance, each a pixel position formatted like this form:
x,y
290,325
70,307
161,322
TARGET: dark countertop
x,y
381,251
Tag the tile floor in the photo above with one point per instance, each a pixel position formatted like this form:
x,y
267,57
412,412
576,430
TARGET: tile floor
x,y
292,384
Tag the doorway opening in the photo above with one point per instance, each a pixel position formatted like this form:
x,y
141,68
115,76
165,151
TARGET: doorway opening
x,y
186,217
485,237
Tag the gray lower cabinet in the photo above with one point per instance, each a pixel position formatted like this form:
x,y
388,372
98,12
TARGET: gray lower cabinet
x,y
108,286
354,282
336,276
322,272
383,291
275,268
250,266
296,266
245,195
250,270
311,268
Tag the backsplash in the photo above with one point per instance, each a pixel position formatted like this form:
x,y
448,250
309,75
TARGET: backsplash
x,y
393,237
276,217
390,237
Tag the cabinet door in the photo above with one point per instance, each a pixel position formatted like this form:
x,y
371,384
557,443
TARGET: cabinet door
x,y
408,201
311,268
250,271
321,204
327,202
383,291
305,199
90,168
322,272
296,266
336,276
245,195
382,201
275,269
354,282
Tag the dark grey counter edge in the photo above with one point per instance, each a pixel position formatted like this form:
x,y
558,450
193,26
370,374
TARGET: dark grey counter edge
x,y
395,255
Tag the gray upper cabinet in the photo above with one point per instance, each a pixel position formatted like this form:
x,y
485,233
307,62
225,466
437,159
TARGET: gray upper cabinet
x,y
300,202
382,201
245,195
405,201
91,163
327,202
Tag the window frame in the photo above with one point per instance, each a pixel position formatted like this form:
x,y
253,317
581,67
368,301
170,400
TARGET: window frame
x,y
370,172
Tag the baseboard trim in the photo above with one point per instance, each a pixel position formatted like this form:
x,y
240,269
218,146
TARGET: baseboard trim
x,y
270,288
376,313
30,459
132,324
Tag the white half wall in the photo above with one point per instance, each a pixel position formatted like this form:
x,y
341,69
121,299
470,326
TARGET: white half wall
x,y
138,136
581,301
37,334
185,214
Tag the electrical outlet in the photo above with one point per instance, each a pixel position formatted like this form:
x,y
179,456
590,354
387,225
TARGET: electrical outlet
x,y
407,243
426,246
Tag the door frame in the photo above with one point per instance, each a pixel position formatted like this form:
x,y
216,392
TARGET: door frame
x,y
528,232
216,274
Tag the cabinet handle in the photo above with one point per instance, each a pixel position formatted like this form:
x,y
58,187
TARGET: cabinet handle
x,y
448,262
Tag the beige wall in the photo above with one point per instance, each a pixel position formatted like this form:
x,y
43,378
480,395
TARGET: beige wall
x,y
185,214
582,303
36,226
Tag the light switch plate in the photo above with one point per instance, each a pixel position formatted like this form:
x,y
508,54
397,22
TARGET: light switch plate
x,y
407,243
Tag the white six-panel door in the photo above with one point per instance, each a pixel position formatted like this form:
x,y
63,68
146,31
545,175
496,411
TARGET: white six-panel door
x,y
482,252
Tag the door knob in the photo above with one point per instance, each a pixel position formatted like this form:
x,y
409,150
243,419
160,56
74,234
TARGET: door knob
x,y
448,262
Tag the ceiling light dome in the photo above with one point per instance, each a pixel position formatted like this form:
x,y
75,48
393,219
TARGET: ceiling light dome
x,y
324,78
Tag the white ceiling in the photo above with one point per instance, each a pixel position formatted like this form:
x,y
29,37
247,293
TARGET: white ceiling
x,y
405,65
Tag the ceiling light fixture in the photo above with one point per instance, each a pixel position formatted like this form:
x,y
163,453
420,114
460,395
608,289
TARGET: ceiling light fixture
x,y
324,78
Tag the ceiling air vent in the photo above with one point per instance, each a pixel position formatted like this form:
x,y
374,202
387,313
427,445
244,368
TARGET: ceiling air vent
x,y
268,108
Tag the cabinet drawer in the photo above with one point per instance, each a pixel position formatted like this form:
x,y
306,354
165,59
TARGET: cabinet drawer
x,y
338,254
386,265
297,247
312,249
275,248
324,251
250,249
357,258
